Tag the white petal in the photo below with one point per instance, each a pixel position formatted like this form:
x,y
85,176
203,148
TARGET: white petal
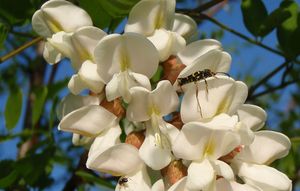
x,y
223,184
39,25
230,95
215,60
88,73
201,176
104,141
133,52
118,160
165,98
148,15
136,181
264,177
253,116
76,84
112,88
158,186
51,55
140,80
60,15
185,26
135,110
179,185
155,156
72,102
167,43
223,169
88,121
197,49
79,140
247,135
196,141
266,147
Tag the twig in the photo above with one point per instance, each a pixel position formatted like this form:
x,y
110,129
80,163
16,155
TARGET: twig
x,y
200,16
20,49
207,5
272,89
267,77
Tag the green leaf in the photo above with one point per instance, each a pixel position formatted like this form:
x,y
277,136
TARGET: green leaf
x,y
3,34
288,32
88,177
254,13
8,180
40,95
274,20
13,108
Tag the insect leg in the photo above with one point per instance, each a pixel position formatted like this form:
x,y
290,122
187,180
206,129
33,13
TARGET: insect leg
x,y
197,98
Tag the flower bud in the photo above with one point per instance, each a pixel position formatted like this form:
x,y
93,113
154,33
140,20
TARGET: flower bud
x,y
114,107
172,69
174,171
135,138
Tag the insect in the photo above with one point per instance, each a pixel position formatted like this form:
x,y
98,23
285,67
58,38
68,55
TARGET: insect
x,y
122,181
198,76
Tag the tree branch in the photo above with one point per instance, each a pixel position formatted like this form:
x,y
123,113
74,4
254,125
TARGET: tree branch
x,y
272,89
200,16
20,49
254,87
204,6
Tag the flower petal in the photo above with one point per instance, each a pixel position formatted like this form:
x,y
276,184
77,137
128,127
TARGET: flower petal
x,y
59,15
112,88
185,26
51,55
222,169
88,121
264,177
223,184
136,181
135,110
197,49
118,160
253,116
231,94
72,102
88,73
148,15
79,140
133,52
158,186
201,176
165,98
167,43
266,147
179,185
155,156
76,84
247,135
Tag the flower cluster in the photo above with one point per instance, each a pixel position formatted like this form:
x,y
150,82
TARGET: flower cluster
x,y
191,130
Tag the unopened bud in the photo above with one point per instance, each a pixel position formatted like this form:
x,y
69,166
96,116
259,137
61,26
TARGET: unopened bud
x,y
174,171
114,107
172,69
135,138
228,158
176,120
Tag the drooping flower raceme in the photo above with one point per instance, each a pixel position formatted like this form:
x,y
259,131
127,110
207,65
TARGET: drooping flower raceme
x,y
208,139
56,16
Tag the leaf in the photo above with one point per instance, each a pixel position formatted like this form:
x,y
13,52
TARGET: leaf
x,y
8,180
3,34
273,21
40,95
288,32
254,13
13,108
88,177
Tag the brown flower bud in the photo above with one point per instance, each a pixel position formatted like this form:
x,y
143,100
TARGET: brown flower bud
x,y
172,68
227,158
176,120
174,171
114,107
135,138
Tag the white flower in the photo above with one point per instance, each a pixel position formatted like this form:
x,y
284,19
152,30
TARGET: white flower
x,y
204,144
253,116
156,148
55,16
79,46
125,61
156,19
250,163
223,95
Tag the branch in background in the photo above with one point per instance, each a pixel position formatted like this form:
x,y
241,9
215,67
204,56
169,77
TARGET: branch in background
x,y
207,5
20,49
254,87
200,17
272,89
